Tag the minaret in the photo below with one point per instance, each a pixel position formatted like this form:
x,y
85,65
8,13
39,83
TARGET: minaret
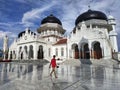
x,y
113,34
5,47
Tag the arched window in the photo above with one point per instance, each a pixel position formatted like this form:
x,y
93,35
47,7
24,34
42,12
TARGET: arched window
x,y
10,54
49,51
40,52
25,48
31,52
62,51
20,48
56,52
75,51
97,51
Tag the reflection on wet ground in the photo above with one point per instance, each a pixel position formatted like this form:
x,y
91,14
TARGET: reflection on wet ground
x,y
24,76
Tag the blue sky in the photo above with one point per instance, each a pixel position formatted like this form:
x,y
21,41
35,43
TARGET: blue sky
x,y
16,15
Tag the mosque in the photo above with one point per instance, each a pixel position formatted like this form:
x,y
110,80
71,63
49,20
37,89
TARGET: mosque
x,y
93,37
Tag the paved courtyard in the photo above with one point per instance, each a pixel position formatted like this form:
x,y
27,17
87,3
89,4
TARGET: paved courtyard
x,y
72,75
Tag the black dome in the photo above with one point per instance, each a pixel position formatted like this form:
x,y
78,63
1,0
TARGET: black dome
x,y
90,14
51,19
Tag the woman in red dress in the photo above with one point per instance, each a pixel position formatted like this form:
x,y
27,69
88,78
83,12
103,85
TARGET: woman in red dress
x,y
54,65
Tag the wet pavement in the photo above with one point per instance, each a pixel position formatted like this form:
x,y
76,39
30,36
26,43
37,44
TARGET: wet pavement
x,y
26,76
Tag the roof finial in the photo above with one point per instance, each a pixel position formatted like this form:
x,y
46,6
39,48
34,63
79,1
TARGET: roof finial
x,y
89,6
51,13
109,12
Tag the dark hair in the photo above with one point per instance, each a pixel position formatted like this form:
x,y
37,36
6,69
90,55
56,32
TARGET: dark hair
x,y
54,56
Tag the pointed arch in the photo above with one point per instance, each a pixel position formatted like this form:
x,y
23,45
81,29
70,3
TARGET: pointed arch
x,y
19,53
25,52
40,52
31,52
97,51
75,51
10,54
25,48
84,51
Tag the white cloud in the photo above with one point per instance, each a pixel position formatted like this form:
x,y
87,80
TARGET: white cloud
x,y
34,14
2,34
5,24
71,10
9,34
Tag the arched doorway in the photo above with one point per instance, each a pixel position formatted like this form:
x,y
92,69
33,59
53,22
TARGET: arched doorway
x,y
19,53
40,52
10,54
22,55
97,51
84,51
25,52
31,53
75,51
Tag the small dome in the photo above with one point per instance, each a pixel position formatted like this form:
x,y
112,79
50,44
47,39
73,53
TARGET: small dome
x,y
90,14
51,19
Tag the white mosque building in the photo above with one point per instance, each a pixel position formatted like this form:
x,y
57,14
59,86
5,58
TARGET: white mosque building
x,y
93,37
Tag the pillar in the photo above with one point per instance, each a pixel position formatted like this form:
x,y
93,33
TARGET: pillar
x,y
35,51
90,50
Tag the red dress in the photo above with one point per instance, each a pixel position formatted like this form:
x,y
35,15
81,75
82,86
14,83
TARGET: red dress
x,y
53,63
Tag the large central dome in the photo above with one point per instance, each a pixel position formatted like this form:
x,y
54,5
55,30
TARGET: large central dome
x,y
51,19
90,14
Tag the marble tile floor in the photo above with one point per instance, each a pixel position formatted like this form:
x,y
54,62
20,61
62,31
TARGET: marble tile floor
x,y
26,76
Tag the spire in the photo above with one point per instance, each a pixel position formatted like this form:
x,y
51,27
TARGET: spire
x,y
5,46
89,7
27,29
89,4
109,12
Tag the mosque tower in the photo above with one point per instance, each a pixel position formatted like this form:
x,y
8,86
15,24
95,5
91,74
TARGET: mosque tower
x,y
51,29
113,34
5,47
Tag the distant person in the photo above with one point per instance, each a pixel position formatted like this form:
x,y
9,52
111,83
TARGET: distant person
x,y
54,65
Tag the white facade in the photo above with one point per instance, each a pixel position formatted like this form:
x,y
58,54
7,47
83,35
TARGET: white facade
x,y
90,39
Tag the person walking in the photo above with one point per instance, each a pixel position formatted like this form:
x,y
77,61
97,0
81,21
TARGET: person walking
x,y
54,65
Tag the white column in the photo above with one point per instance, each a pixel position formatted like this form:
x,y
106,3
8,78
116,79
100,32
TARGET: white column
x,y
35,51
92,53
28,52
73,52
113,35
4,55
113,39
17,53
90,49
115,43
9,55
